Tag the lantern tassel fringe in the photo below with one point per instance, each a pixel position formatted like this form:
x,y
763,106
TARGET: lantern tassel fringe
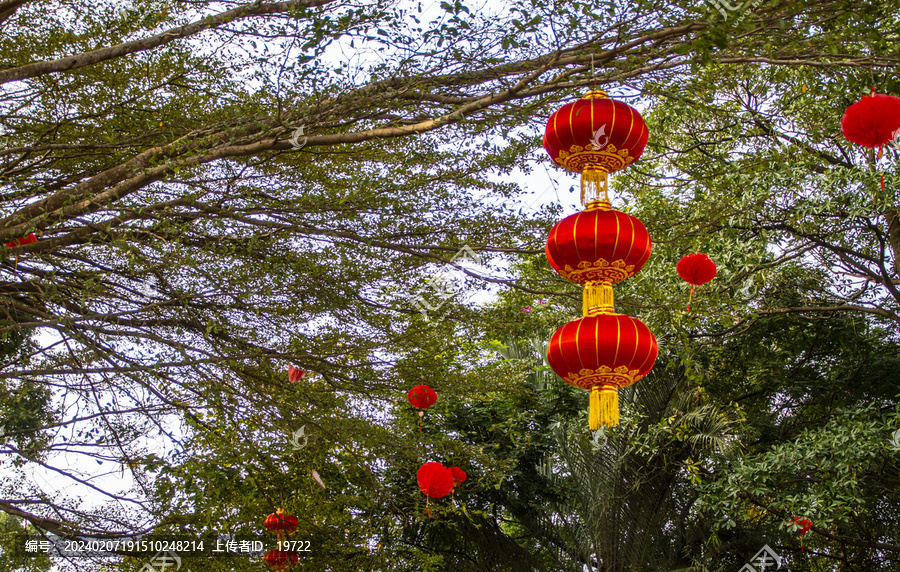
x,y
604,408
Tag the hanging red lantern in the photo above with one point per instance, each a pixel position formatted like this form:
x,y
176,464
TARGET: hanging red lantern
x,y
435,480
22,241
594,136
873,120
602,353
804,525
281,560
294,374
598,245
459,476
695,269
280,523
421,397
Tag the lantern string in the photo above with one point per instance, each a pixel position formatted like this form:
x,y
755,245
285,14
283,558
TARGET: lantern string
x,y
690,297
593,74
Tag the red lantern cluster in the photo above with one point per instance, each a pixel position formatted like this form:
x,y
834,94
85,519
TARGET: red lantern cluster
x,y
437,481
281,560
598,247
281,524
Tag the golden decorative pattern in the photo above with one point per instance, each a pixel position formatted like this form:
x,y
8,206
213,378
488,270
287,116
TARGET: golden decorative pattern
x,y
608,157
598,271
604,375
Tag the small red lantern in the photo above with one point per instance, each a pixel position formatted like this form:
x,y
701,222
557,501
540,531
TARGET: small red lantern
x,y
22,241
459,476
421,397
602,353
281,560
294,374
280,523
435,480
695,269
873,120
595,136
804,525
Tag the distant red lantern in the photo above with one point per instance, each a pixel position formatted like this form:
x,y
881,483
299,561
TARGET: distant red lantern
x,y
459,476
281,560
421,397
804,525
695,269
294,374
281,523
22,241
873,120
435,480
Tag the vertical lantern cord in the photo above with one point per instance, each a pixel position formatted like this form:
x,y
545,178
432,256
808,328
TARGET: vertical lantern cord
x,y
604,407
690,297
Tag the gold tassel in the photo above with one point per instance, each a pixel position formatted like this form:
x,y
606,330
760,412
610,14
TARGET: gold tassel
x,y
594,418
595,188
609,406
597,299
604,407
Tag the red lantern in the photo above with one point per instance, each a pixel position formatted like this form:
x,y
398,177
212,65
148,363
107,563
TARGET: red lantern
x,y
422,397
459,476
294,374
872,121
598,245
22,241
435,480
696,269
602,353
804,525
280,523
281,560
595,136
